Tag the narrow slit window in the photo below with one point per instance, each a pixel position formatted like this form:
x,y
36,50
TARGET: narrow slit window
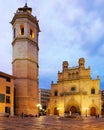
x,y
31,33
14,33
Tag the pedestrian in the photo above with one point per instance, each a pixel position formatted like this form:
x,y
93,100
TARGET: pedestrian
x,y
22,115
8,115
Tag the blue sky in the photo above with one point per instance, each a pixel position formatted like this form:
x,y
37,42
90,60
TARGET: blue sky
x,y
70,29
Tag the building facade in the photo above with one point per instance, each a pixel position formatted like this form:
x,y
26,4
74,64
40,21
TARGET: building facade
x,y
6,93
25,60
102,102
75,92
44,97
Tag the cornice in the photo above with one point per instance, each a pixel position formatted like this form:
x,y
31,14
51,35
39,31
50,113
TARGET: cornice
x,y
27,39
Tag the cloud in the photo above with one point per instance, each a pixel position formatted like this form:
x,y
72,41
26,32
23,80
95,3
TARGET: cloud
x,y
101,50
70,29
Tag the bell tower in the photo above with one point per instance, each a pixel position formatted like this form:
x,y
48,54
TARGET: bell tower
x,y
25,60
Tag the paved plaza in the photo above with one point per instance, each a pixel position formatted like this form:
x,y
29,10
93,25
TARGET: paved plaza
x,y
51,123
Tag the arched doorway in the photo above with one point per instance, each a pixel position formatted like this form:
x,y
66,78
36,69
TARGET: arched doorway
x,y
93,111
56,112
73,109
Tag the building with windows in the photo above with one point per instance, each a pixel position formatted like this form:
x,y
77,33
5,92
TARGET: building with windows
x,y
75,92
6,93
102,102
44,97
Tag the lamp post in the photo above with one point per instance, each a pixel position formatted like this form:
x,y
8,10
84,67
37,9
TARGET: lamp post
x,y
39,107
86,109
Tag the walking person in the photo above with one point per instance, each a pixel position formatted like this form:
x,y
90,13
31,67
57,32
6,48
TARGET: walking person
x,y
22,115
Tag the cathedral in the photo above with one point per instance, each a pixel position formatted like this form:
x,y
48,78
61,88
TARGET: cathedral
x,y
75,92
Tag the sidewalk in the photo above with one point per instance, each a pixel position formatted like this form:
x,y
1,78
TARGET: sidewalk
x,y
50,123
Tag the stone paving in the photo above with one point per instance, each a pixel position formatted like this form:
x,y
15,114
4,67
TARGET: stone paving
x,y
51,123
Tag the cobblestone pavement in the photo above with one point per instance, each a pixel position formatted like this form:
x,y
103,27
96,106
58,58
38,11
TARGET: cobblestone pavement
x,y
51,123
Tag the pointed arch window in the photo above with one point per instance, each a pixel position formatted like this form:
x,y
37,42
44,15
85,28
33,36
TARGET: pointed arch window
x,y
21,29
92,91
31,33
56,93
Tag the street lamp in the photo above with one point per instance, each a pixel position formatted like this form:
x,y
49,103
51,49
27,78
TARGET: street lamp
x,y
39,107
86,108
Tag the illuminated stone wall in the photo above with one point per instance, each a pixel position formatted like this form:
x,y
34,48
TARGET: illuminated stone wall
x,y
75,92
6,94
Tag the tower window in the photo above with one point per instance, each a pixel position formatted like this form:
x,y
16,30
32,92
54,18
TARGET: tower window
x,y
31,33
55,93
22,30
92,91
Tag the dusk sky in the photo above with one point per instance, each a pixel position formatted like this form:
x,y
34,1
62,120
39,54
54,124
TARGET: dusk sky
x,y
70,29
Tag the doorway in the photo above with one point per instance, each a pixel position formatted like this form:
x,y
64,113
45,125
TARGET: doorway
x,y
56,112
73,110
93,111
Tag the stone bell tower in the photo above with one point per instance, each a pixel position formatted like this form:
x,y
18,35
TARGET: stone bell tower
x,y
25,60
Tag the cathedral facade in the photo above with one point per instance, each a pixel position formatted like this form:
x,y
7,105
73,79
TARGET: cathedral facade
x,y
75,92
